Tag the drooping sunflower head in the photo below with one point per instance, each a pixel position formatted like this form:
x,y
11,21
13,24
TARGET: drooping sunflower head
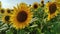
x,y
21,17
35,5
52,9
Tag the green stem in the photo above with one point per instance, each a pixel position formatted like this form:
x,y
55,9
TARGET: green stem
x,y
17,31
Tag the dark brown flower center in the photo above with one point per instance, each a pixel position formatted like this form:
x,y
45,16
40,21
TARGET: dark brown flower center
x,y
42,2
35,6
8,11
22,16
30,5
52,8
7,18
2,11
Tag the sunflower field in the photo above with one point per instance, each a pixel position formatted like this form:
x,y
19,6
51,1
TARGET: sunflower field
x,y
36,18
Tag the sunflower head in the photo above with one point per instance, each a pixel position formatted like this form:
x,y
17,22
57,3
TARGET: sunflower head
x,y
30,5
9,11
51,9
2,11
42,3
6,18
21,16
35,5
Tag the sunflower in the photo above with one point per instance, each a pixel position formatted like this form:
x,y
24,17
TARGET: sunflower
x,y
9,11
42,3
30,5
35,5
2,11
6,18
21,16
52,9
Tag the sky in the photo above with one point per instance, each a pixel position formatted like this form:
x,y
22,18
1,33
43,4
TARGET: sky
x,y
12,3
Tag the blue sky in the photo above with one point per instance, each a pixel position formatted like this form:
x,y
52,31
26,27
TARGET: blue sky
x,y
12,3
